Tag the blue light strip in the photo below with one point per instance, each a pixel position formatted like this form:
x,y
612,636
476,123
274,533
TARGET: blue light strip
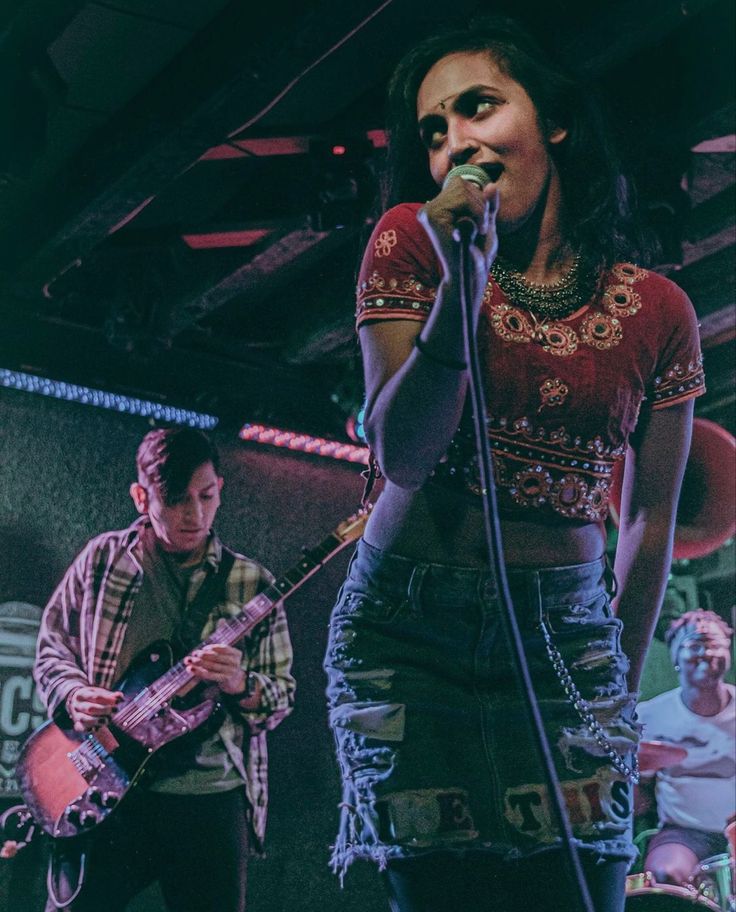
x,y
57,389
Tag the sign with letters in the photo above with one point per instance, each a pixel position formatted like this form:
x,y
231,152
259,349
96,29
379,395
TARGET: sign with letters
x,y
20,709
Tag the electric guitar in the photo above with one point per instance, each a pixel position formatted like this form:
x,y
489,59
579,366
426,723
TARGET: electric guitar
x,y
72,781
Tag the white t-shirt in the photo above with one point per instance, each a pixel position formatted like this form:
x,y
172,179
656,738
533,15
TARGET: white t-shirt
x,y
700,791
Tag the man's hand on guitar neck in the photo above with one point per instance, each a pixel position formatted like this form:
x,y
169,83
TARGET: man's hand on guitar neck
x,y
223,665
89,707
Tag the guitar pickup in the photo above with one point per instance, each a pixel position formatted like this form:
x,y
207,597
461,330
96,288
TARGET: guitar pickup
x,y
90,757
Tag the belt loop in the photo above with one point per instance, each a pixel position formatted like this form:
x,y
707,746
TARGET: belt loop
x,y
534,588
609,576
419,571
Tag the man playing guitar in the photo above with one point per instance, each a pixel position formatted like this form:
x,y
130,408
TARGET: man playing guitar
x,y
167,577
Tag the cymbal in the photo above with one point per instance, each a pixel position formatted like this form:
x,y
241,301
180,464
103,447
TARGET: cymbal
x,y
654,755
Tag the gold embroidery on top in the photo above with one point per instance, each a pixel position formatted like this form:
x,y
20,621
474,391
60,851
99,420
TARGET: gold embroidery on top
x,y
532,482
599,328
680,380
553,392
572,495
408,288
541,467
621,301
601,331
627,272
385,242
556,338
511,324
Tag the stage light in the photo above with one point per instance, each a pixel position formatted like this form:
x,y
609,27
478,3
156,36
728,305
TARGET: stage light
x,y
354,425
71,392
304,443
344,181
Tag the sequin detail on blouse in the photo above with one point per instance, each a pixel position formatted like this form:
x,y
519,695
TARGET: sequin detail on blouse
x,y
564,395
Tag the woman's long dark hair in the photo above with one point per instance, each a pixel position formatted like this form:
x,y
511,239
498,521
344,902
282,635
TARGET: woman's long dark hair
x,y
598,211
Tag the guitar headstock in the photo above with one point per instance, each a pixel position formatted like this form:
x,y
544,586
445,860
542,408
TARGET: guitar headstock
x,y
352,528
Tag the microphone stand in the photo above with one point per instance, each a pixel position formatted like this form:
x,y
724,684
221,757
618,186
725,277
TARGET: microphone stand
x,y
465,236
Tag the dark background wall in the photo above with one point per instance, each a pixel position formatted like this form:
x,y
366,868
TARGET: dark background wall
x,y
64,476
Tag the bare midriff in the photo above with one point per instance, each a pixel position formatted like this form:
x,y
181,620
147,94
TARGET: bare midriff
x,y
437,525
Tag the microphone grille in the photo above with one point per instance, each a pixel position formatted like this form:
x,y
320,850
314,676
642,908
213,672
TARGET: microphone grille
x,y
473,173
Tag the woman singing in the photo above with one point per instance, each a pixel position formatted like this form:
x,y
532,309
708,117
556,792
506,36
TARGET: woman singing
x,y
583,353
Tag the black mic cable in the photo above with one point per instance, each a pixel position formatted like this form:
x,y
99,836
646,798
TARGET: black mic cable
x,y
465,234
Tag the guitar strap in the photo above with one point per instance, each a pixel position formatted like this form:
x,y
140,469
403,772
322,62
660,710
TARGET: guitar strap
x,y
212,591
65,876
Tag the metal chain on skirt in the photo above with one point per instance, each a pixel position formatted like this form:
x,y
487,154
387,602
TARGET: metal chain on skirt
x,y
583,709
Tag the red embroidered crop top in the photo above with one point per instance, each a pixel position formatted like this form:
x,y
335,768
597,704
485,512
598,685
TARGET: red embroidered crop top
x,y
562,396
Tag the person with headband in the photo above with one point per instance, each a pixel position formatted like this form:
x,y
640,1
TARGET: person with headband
x,y
696,796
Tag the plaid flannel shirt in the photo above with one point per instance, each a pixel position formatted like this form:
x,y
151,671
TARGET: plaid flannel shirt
x,y
84,624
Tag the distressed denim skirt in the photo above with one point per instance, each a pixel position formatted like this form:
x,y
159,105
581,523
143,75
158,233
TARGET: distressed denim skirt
x,y
434,743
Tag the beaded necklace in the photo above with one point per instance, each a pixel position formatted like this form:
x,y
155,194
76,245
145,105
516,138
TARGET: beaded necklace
x,y
552,301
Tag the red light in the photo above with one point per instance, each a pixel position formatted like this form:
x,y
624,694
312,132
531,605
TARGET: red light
x,y
339,150
259,433
217,239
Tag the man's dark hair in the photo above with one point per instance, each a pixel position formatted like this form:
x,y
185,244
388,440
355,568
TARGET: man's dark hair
x,y
597,199
168,457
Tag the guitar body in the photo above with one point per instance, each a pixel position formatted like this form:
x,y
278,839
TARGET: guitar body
x,y
72,781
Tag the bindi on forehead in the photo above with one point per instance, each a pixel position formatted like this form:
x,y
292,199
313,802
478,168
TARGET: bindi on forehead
x,y
457,100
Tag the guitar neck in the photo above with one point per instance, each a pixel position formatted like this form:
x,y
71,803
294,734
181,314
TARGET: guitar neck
x,y
251,614
260,606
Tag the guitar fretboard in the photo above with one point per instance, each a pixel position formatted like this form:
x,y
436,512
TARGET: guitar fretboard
x,y
156,695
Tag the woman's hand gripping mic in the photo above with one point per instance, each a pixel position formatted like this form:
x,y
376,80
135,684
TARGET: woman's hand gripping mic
x,y
464,212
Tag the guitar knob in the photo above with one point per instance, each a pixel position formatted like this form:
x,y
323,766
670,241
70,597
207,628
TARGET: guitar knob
x,y
87,819
73,814
94,795
109,799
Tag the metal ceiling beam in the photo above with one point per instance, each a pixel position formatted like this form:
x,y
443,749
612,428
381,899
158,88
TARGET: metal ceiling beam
x,y
174,147
625,28
718,327
263,275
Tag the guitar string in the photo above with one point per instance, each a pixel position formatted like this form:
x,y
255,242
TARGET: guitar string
x,y
138,710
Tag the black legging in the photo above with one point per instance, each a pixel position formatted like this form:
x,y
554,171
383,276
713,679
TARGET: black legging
x,y
481,882
196,846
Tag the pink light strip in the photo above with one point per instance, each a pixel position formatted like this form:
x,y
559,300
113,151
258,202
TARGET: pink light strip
x,y
304,443
217,239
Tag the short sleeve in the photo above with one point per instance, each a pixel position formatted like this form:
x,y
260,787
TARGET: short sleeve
x,y
400,273
679,371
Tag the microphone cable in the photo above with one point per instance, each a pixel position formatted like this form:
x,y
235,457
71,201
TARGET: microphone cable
x,y
465,236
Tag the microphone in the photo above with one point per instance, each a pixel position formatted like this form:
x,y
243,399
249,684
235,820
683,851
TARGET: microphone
x,y
465,227
473,173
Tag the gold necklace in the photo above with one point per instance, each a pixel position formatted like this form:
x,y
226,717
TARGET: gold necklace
x,y
550,301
